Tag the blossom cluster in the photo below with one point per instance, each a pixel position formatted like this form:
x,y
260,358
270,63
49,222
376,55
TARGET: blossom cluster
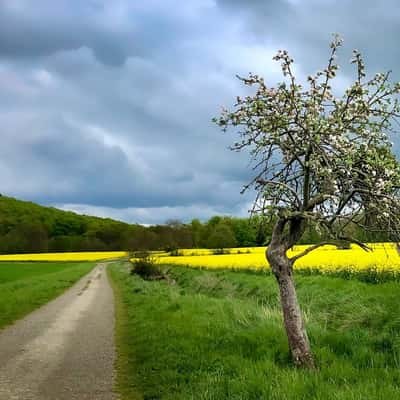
x,y
328,157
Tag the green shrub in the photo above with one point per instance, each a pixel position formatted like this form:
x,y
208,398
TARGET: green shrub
x,y
144,266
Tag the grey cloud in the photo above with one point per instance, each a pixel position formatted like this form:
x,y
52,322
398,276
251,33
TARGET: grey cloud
x,y
70,164
44,27
107,106
304,27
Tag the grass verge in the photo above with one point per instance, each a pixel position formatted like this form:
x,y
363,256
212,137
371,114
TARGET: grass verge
x,y
217,335
26,286
127,384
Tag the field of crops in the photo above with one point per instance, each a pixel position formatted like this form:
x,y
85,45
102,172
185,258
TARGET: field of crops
x,y
72,256
383,256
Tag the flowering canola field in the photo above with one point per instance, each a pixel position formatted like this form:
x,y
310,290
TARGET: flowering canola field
x,y
384,256
72,256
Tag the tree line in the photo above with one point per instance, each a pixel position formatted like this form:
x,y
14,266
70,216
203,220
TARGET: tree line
x,y
27,227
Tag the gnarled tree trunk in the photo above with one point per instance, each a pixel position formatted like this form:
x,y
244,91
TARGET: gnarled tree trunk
x,y
282,268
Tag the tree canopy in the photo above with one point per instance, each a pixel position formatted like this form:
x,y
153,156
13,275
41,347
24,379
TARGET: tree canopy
x,y
320,160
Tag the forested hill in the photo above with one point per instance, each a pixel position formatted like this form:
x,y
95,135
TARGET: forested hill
x,y
27,227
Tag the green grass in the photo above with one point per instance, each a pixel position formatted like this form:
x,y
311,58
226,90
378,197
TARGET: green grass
x,y
218,335
26,286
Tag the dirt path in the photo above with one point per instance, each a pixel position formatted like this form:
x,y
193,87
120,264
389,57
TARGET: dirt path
x,y
65,349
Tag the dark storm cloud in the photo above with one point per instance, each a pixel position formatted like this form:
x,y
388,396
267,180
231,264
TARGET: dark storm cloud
x,y
106,106
113,30
33,29
304,27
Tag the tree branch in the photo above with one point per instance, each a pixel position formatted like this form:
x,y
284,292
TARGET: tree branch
x,y
309,250
315,201
355,241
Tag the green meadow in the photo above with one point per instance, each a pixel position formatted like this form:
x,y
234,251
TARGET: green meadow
x,y
215,335
26,286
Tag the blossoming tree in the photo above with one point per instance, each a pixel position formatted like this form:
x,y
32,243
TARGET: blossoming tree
x,y
318,159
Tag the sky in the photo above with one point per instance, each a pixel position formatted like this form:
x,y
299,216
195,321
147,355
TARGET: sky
x,y
106,106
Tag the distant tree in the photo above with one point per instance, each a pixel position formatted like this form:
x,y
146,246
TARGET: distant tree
x,y
263,227
214,221
165,236
221,237
319,159
67,224
111,234
145,239
244,230
28,236
196,228
184,237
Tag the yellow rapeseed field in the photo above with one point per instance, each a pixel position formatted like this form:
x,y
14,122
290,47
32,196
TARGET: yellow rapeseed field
x,y
384,256
78,256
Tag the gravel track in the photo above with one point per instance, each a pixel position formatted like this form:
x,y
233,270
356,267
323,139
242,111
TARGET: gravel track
x,y
65,349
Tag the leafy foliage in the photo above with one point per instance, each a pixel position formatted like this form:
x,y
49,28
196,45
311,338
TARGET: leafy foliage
x,y
322,159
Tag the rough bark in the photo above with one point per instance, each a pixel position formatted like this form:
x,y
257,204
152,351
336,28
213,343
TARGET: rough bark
x,y
282,268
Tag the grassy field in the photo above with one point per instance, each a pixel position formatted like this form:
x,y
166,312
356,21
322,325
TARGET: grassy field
x,y
218,335
26,286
